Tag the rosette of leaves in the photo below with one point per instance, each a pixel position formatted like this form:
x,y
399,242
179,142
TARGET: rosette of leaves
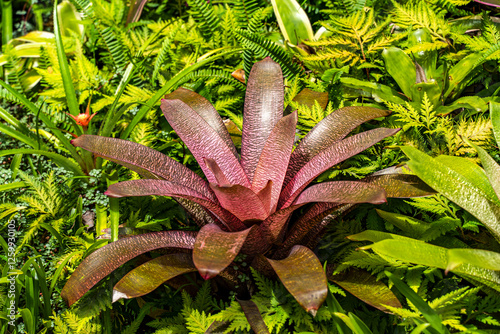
x,y
246,203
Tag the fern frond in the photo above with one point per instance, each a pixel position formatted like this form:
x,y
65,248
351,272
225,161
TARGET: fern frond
x,y
203,13
265,48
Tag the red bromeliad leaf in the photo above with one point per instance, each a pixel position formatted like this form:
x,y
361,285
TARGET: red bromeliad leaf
x,y
334,154
302,275
241,202
274,225
166,188
152,274
343,192
206,111
215,249
306,222
253,316
143,160
312,238
222,181
103,261
263,109
274,158
203,141
331,129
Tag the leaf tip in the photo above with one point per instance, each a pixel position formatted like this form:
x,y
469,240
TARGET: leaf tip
x,y
117,295
207,274
313,311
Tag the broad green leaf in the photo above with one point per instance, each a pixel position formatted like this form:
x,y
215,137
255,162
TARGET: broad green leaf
x,y
399,65
429,314
69,89
28,320
469,102
215,249
105,260
7,130
253,316
490,166
456,187
476,257
431,89
293,21
263,109
302,275
426,59
405,223
378,91
418,252
472,172
365,286
152,274
458,75
69,20
58,159
495,120
13,185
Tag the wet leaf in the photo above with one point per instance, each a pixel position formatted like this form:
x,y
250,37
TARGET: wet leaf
x,y
215,249
263,109
302,275
365,286
152,274
103,261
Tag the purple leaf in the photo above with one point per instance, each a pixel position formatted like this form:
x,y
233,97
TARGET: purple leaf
x,y
215,249
166,188
273,227
222,181
263,109
143,160
274,158
241,202
203,141
334,154
302,275
343,192
103,261
330,130
152,274
205,109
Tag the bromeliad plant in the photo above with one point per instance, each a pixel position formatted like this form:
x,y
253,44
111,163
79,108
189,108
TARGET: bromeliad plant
x,y
246,203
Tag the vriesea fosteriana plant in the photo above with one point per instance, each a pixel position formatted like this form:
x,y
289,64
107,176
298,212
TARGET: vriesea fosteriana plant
x,y
246,202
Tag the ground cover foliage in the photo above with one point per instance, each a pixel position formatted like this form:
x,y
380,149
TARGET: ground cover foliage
x,y
379,127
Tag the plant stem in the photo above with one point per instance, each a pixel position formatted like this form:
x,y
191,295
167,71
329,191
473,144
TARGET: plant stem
x,y
7,24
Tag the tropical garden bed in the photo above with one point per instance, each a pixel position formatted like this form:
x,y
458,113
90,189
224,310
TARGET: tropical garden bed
x,y
248,166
